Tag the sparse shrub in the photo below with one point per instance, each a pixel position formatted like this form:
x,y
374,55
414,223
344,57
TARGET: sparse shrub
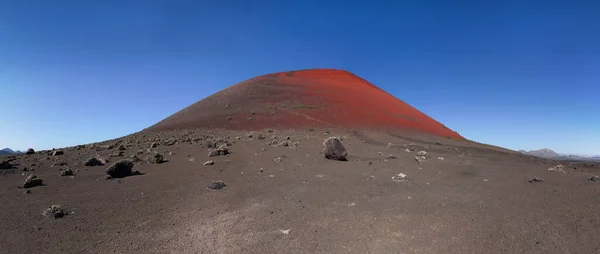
x,y
229,118
311,129
252,112
448,137
269,130
249,118
309,106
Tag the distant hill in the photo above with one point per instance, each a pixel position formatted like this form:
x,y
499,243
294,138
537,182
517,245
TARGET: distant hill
x,y
544,153
549,154
6,151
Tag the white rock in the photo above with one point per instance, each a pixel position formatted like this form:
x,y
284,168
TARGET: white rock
x,y
400,177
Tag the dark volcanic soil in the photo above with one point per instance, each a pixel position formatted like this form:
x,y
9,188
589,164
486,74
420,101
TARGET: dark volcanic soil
x,y
290,199
304,99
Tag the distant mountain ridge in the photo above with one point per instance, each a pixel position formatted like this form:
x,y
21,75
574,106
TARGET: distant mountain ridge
x,y
544,153
549,154
6,151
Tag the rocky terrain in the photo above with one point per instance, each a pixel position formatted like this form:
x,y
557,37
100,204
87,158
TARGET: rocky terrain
x,y
277,191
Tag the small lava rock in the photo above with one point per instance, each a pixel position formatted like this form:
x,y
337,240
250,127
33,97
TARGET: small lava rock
x,y
334,149
158,158
57,152
66,172
32,181
401,177
170,142
55,212
222,150
120,169
535,180
208,163
5,164
595,179
30,151
93,161
216,185
284,143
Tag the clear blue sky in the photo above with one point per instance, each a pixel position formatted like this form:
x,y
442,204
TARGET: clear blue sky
x,y
509,73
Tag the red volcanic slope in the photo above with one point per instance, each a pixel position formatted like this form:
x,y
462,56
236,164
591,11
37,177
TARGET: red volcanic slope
x,y
305,98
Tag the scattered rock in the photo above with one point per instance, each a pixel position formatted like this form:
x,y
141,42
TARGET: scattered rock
x,y
390,145
57,152
285,231
209,163
535,180
284,143
122,147
595,179
27,192
107,177
135,159
440,158
213,153
105,147
260,136
278,160
401,177
391,157
120,169
66,172
6,165
93,161
170,142
60,163
559,168
419,160
421,156
154,145
158,158
334,149
55,212
32,181
216,185
30,151
192,159
407,150
222,150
